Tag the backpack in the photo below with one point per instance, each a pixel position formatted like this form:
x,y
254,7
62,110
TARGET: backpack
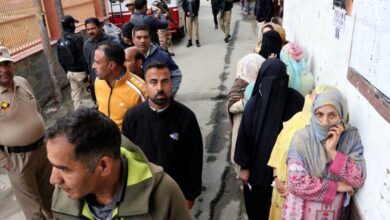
x,y
65,51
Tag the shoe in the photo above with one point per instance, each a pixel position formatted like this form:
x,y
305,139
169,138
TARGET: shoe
x,y
229,36
216,26
226,40
197,43
189,44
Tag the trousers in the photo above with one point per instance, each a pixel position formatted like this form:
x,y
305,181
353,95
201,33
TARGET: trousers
x,y
257,202
192,23
77,87
30,180
224,22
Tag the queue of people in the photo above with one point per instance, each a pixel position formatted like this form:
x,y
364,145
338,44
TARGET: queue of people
x,y
297,158
139,155
97,170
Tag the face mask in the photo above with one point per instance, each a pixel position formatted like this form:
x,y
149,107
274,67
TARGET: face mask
x,y
321,131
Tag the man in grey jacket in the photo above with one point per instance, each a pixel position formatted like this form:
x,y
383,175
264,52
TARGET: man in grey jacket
x,y
96,35
154,54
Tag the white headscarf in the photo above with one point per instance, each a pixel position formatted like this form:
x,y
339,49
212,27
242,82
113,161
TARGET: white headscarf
x,y
248,67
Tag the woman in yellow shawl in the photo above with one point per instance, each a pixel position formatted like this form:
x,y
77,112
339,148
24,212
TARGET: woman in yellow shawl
x,y
279,153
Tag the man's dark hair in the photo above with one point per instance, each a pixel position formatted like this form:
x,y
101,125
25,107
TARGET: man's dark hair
x,y
92,133
127,30
113,52
157,65
139,4
141,28
93,20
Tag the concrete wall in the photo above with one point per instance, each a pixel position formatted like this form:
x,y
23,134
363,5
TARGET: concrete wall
x,y
35,69
311,24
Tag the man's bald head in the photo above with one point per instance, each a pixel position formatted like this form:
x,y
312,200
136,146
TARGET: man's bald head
x,y
134,59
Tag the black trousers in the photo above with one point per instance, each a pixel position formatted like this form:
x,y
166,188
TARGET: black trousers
x,y
214,8
258,202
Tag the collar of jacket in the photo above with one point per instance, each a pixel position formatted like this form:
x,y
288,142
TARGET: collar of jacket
x,y
141,179
122,78
153,48
118,82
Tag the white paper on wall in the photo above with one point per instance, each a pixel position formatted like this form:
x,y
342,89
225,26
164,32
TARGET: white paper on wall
x,y
339,21
370,53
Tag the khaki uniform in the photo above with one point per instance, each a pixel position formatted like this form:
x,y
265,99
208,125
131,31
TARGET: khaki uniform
x,y
22,126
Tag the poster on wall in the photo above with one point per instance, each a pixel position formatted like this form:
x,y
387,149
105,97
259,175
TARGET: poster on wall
x,y
341,9
339,21
370,53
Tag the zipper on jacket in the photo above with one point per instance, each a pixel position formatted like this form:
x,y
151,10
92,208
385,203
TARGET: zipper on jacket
x,y
109,100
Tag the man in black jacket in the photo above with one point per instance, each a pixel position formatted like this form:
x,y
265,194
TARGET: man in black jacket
x,y
167,132
191,9
75,71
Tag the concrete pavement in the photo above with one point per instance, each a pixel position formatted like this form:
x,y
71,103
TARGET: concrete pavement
x,y
208,73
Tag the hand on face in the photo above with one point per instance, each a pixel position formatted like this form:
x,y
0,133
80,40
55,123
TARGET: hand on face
x,y
331,123
333,138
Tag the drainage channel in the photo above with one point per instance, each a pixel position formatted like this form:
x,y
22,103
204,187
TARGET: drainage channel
x,y
229,191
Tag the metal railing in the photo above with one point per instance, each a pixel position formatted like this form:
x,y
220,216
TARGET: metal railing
x,y
18,25
80,10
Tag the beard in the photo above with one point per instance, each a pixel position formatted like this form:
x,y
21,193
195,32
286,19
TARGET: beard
x,y
160,99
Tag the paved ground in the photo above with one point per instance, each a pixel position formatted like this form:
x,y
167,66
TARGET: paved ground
x,y
208,73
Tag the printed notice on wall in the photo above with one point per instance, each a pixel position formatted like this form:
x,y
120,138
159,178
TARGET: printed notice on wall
x,y
370,53
339,21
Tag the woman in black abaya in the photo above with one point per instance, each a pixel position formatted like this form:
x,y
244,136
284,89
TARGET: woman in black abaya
x,y
271,103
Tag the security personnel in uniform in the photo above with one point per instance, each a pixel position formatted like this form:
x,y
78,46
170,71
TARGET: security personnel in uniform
x,y
22,153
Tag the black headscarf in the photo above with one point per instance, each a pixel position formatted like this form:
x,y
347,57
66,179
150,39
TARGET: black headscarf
x,y
262,121
272,43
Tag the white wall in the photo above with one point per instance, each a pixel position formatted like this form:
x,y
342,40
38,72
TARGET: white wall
x,y
311,24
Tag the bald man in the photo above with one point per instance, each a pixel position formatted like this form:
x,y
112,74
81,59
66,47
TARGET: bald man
x,y
134,59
